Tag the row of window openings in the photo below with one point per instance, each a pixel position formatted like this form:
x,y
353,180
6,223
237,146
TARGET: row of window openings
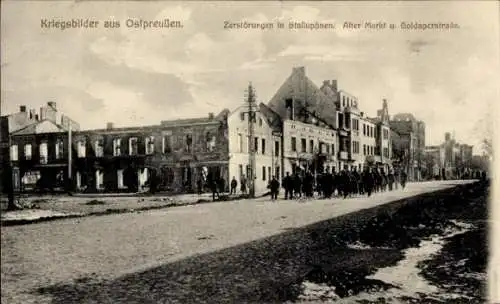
x,y
266,173
99,147
256,145
323,147
242,117
28,152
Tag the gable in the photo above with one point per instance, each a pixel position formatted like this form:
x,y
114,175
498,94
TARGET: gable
x,y
40,127
306,96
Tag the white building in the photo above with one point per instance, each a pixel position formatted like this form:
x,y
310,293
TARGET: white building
x,y
266,144
304,144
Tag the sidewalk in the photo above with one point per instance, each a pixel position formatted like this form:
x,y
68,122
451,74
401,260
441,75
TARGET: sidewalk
x,y
56,207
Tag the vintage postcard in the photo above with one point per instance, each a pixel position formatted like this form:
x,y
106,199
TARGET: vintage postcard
x,y
249,152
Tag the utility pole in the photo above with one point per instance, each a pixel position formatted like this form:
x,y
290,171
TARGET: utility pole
x,y
70,158
251,101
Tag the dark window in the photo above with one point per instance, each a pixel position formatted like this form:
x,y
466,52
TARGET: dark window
x,y
303,144
276,148
263,173
294,144
263,144
311,146
256,144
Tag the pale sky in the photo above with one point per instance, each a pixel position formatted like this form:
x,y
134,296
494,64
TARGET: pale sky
x,y
449,79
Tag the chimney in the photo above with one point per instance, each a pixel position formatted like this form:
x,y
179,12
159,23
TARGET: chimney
x,y
22,109
334,85
447,136
52,105
362,113
109,125
327,83
210,115
299,70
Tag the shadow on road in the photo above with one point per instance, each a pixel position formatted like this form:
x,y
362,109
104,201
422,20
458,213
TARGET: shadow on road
x,y
269,270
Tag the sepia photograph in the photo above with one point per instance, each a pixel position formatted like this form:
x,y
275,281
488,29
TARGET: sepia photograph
x,y
249,152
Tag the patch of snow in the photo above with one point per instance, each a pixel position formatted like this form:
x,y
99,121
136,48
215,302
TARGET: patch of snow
x,y
32,214
313,292
406,275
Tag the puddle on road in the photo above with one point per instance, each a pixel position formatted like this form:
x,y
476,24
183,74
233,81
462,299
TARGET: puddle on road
x,y
396,284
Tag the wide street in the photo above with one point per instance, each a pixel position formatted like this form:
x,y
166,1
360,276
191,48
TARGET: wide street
x,y
42,254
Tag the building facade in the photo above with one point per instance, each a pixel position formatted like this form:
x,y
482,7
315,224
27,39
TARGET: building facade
x,y
449,160
357,140
178,153
410,144
266,144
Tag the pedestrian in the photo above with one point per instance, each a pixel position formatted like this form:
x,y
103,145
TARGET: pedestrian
x,y
390,179
214,187
199,186
327,184
403,179
368,181
288,185
234,185
274,186
243,185
222,184
297,185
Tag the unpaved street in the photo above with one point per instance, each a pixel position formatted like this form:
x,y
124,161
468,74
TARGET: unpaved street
x,y
42,254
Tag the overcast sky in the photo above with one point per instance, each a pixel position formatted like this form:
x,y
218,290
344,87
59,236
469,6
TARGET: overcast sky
x,y
131,77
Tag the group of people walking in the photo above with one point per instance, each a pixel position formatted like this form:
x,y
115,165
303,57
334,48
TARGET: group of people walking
x,y
303,184
345,183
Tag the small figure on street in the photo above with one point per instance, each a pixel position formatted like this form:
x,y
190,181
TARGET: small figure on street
x,y
214,188
403,179
327,184
243,185
274,186
234,185
288,185
390,178
297,185
199,186
221,183
368,181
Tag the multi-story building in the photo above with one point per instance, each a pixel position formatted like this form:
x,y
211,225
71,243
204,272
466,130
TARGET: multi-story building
x,y
25,125
449,159
266,144
122,159
357,140
411,142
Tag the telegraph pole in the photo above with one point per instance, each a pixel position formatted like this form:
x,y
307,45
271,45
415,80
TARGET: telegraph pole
x,y
70,158
251,100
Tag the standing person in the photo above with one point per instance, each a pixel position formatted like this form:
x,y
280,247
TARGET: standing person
x,y
335,182
368,181
390,179
199,186
234,185
274,186
356,181
222,184
327,184
214,187
297,185
287,184
403,179
309,184
243,185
